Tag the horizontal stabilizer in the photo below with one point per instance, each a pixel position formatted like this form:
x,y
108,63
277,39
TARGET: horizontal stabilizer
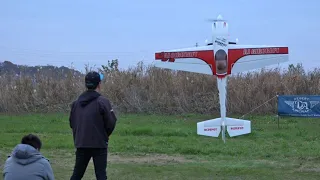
x,y
238,127
212,127
209,127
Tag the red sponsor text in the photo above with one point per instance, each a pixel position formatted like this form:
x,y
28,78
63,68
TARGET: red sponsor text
x,y
189,54
257,51
210,129
236,128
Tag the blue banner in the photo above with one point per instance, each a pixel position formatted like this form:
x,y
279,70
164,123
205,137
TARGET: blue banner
x,y
299,105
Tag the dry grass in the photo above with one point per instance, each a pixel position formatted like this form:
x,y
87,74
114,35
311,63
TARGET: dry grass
x,y
145,89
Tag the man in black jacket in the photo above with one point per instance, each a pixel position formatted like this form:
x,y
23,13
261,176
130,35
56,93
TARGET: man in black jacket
x,y
92,121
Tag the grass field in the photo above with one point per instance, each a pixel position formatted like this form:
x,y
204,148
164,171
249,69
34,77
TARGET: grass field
x,y
167,147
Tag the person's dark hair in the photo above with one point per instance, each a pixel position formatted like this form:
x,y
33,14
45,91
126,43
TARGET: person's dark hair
x,y
32,140
92,80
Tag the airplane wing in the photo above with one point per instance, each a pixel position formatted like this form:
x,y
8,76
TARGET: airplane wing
x,y
248,57
193,59
240,58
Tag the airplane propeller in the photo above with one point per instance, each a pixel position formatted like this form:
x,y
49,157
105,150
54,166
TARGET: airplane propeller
x,y
218,19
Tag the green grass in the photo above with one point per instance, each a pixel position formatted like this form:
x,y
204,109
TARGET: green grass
x,y
167,147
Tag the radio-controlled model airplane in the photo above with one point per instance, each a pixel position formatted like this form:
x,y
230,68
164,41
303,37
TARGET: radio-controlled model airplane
x,y
222,58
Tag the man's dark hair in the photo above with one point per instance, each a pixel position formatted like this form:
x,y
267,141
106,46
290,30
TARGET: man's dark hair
x,y
92,80
32,140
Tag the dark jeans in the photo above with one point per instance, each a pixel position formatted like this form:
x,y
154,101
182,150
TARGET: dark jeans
x,y
83,156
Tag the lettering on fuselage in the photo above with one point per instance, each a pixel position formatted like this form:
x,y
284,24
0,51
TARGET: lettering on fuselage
x,y
221,42
257,51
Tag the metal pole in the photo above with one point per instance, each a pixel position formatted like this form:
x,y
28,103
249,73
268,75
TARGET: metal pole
x,y
278,121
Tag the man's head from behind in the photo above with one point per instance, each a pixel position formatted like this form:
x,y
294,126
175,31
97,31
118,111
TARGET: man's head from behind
x,y
32,140
92,80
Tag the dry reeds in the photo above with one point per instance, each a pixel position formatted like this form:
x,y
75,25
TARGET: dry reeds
x,y
144,89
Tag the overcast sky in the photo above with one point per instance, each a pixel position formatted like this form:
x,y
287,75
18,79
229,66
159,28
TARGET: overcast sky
x,y
61,32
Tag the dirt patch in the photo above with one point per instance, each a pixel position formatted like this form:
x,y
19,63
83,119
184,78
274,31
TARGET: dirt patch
x,y
309,169
148,158
67,158
309,164
312,169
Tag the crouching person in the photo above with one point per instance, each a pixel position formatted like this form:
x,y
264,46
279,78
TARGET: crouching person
x,y
27,163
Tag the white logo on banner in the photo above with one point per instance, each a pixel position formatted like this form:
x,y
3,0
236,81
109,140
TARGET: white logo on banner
x,y
301,104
